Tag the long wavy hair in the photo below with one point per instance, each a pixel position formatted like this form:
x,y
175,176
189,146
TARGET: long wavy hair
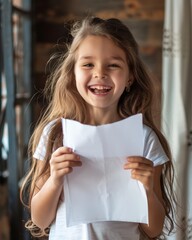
x,y
65,101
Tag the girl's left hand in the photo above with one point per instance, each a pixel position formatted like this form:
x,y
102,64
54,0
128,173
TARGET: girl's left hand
x,y
141,169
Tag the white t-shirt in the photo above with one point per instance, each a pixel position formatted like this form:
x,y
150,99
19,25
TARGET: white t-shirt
x,y
101,230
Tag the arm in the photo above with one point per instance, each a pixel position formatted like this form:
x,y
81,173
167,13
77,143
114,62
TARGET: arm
x,y
143,170
156,209
46,197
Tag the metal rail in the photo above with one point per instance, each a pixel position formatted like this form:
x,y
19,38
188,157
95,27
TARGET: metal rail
x,y
18,92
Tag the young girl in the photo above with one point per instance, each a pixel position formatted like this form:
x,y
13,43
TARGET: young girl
x,y
100,80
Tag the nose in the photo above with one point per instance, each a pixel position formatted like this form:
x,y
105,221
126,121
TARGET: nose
x,y
100,73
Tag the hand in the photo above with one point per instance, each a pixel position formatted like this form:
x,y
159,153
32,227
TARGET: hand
x,y
141,169
61,163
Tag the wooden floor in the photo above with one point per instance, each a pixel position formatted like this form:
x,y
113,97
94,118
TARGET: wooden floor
x,y
4,221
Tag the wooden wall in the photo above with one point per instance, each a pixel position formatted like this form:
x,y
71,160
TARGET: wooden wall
x,y
144,17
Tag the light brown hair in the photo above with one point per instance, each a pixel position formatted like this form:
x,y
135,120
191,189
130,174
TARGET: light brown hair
x,y
65,101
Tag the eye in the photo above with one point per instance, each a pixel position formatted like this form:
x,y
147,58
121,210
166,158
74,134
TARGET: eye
x,y
87,65
114,65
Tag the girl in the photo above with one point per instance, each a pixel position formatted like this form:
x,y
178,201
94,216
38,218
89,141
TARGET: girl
x,y
100,80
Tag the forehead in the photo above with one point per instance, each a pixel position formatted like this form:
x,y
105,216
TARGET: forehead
x,y
99,46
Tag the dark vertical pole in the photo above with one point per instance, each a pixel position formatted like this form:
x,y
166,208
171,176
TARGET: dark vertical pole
x,y
13,190
27,45
26,71
1,63
1,115
1,59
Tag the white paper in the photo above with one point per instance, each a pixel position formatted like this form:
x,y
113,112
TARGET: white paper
x,y
101,190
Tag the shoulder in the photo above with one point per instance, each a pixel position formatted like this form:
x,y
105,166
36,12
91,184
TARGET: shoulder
x,y
41,147
46,131
150,135
146,130
153,149
48,126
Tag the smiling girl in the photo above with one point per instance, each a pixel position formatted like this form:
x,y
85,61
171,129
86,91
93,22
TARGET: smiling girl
x,y
100,80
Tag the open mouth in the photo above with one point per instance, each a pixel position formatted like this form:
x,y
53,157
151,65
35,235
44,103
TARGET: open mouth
x,y
98,89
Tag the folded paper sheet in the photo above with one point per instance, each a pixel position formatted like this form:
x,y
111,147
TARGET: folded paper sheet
x,y
101,190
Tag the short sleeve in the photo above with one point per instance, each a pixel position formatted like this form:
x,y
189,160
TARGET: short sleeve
x,y
153,149
41,147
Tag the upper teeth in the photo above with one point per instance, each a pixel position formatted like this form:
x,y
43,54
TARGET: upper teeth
x,y
100,87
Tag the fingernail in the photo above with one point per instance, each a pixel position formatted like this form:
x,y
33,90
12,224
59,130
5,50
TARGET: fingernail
x,y
70,149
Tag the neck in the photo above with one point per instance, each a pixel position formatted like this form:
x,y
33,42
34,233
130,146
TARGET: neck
x,y
100,117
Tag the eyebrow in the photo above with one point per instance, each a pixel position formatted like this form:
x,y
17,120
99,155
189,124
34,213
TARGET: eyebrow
x,y
111,57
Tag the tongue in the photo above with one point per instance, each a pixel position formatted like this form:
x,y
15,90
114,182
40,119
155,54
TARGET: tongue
x,y
100,90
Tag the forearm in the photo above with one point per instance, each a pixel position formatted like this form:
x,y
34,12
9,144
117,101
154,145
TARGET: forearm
x,y
156,217
44,204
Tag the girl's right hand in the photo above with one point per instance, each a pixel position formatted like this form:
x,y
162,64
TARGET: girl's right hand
x,y
61,163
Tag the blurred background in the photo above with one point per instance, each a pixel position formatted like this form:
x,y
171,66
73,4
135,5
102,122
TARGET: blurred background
x,y
29,34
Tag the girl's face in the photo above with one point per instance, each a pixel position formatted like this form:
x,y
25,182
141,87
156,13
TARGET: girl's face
x,y
101,72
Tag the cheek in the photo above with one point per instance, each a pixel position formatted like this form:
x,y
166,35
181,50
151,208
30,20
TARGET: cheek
x,y
121,80
79,74
78,77
82,78
80,83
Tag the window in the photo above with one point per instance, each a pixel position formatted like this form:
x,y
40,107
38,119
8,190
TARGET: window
x,y
15,118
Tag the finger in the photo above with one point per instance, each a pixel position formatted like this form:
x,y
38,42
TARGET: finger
x,y
144,180
65,157
61,150
143,173
147,181
138,166
63,171
67,164
136,159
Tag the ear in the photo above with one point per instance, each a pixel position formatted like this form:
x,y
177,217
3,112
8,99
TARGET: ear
x,y
130,81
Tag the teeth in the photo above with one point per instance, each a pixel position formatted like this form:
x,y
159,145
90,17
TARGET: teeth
x,y
100,89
